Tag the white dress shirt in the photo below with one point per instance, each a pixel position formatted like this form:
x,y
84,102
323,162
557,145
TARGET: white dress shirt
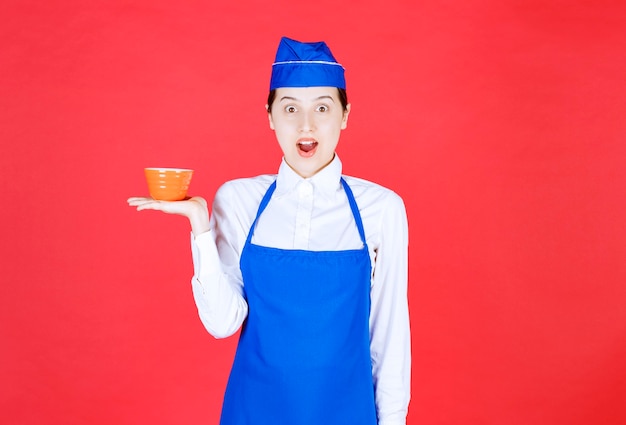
x,y
314,214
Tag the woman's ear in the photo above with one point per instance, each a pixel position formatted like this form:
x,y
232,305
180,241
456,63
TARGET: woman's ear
x,y
344,121
269,116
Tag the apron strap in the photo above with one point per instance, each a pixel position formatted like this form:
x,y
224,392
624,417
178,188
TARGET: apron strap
x,y
264,202
355,210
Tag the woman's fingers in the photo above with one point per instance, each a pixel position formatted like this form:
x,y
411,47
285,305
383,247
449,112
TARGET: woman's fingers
x,y
143,203
135,200
147,204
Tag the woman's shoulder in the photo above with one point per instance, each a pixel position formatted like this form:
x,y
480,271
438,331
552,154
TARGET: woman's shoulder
x,y
381,208
372,193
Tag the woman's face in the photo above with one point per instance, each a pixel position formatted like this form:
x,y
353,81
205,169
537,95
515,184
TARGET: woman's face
x,y
307,122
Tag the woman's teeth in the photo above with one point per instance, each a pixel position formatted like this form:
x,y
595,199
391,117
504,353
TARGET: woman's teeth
x,y
307,146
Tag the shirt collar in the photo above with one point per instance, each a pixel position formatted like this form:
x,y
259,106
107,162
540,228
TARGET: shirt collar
x,y
325,180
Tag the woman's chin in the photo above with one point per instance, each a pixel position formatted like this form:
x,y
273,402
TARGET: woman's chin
x,y
308,166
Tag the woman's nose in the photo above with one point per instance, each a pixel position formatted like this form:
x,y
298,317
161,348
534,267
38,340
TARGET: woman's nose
x,y
307,122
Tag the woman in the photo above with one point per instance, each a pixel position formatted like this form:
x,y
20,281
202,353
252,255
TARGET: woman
x,y
312,265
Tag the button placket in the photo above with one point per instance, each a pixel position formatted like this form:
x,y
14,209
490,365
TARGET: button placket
x,y
303,215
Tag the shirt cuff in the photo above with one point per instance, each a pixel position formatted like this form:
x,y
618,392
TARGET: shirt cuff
x,y
204,254
392,422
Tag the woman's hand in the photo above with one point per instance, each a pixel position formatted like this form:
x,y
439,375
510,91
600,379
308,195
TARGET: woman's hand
x,y
195,209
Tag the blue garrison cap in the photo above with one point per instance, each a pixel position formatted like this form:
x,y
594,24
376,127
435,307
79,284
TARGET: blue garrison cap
x,y
300,64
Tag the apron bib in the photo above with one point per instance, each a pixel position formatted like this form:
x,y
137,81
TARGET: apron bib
x,y
303,356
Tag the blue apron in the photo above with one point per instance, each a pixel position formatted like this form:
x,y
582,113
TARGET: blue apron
x,y
303,356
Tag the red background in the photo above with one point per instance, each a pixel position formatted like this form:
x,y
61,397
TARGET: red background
x,y
500,123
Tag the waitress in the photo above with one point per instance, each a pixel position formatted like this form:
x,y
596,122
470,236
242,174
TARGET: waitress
x,y
311,264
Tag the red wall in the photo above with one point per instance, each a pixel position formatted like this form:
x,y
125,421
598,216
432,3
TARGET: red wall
x,y
500,123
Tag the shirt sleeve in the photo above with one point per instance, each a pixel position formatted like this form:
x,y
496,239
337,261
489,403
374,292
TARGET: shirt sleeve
x,y
217,284
390,341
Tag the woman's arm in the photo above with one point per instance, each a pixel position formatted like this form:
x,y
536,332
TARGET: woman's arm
x,y
390,332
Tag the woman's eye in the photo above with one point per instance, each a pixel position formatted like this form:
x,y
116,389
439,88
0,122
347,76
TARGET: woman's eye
x,y
290,109
322,108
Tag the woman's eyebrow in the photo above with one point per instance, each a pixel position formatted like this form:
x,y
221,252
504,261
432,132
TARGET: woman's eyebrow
x,y
326,97
287,98
316,99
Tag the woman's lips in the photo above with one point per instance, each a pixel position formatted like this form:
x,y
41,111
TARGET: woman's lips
x,y
307,147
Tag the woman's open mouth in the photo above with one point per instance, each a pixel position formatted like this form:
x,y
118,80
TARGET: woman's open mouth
x,y
307,147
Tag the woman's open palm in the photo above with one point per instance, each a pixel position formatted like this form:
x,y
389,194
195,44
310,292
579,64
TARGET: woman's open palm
x,y
195,209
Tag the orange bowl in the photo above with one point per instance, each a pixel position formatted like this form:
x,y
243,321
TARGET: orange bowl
x,y
168,184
